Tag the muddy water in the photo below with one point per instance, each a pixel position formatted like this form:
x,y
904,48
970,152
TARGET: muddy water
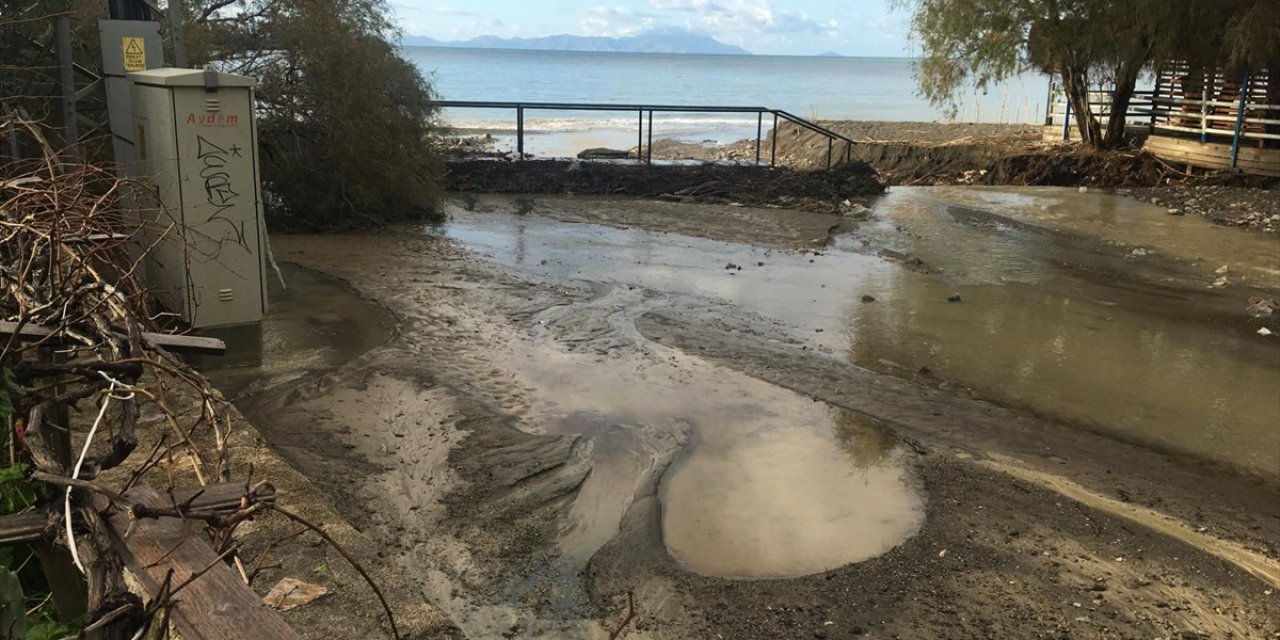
x,y
789,500
314,322
1058,315
764,482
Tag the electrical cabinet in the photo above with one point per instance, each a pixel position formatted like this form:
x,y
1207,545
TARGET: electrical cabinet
x,y
198,153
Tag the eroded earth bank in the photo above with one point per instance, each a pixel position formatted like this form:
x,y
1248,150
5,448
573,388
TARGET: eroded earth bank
x,y
962,413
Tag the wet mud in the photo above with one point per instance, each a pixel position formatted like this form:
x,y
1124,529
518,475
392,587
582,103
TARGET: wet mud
x,y
800,436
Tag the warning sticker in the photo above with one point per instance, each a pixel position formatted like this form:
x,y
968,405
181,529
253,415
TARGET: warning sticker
x,y
135,54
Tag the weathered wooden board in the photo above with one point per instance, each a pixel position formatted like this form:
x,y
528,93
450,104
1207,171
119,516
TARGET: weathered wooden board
x,y
217,605
1214,155
174,343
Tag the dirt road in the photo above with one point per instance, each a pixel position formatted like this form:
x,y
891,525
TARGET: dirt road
x,y
585,400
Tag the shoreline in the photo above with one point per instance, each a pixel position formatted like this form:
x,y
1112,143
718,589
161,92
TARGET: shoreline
x,y
958,153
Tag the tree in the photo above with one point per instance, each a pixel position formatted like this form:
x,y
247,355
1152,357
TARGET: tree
x,y
346,126
1088,43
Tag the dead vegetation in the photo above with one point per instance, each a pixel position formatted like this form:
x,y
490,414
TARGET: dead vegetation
x,y
86,368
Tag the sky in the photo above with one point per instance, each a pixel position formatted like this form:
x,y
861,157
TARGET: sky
x,y
780,27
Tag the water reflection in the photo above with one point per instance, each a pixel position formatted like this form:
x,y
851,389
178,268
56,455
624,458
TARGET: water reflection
x,y
1057,317
789,497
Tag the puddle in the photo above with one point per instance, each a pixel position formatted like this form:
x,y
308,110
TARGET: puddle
x,y
1054,318
767,483
316,323
793,498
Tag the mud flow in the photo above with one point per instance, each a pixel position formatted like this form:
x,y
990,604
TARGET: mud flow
x,y
314,323
767,483
1088,308
766,423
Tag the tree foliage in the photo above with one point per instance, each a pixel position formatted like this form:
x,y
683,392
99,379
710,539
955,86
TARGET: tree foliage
x,y
346,126
1088,43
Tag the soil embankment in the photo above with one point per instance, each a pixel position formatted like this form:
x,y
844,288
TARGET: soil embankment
x,y
931,153
707,183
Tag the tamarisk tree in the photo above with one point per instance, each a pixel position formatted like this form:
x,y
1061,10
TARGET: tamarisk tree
x,y
347,127
1088,43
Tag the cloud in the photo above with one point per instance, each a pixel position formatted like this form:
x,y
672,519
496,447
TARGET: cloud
x,y
449,23
724,17
615,22
693,6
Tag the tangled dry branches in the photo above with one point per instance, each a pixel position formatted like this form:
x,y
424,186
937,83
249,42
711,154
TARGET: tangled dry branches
x,y
70,256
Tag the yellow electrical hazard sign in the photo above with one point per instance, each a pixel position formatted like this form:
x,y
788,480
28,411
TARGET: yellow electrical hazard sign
x,y
135,54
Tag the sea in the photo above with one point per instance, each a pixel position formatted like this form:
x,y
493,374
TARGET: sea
x,y
812,87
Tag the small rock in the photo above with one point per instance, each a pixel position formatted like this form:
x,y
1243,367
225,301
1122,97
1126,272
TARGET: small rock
x,y
1219,283
868,298
731,266
955,297
1221,270
1176,212
1264,331
1260,307
1083,189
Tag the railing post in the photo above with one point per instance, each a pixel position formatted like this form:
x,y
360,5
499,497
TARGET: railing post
x,y
640,136
830,141
1244,97
1204,111
520,132
649,155
66,78
773,153
759,133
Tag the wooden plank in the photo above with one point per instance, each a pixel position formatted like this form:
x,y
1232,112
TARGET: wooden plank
x,y
23,527
30,526
1214,155
171,342
1216,149
215,606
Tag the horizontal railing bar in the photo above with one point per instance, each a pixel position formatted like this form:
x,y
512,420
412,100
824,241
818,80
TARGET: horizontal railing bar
x,y
588,106
660,108
1249,106
1223,133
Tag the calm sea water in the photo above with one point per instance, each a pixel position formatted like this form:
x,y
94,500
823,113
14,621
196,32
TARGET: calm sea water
x,y
827,88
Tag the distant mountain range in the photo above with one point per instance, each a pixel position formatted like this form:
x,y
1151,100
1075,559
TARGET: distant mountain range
x,y
657,41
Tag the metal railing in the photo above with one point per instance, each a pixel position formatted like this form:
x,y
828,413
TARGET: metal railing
x,y
644,150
